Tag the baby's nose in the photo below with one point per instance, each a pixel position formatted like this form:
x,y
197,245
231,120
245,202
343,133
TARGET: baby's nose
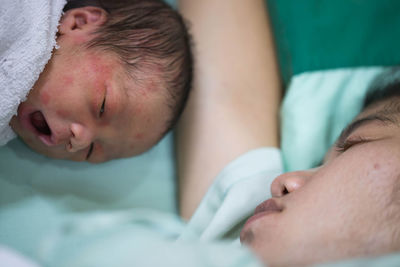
x,y
81,137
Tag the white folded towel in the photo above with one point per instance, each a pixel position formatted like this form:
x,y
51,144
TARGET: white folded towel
x,y
27,37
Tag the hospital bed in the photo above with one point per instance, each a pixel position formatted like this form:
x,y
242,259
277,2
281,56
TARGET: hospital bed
x,y
61,213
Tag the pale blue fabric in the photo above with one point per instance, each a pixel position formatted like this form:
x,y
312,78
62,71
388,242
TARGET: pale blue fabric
x,y
233,197
145,181
123,213
316,108
38,195
171,2
57,226
124,238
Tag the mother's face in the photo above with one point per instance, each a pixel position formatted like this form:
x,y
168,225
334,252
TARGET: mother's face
x,y
348,207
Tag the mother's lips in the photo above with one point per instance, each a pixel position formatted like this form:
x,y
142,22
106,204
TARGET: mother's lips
x,y
265,208
269,205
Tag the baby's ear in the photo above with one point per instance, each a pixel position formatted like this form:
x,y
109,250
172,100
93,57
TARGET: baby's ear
x,y
82,20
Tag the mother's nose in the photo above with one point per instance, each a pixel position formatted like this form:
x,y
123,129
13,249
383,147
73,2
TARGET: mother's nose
x,y
81,137
290,182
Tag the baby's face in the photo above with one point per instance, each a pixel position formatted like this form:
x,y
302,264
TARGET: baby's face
x,y
84,106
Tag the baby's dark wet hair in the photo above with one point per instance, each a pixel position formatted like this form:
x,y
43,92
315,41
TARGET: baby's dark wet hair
x,y
152,40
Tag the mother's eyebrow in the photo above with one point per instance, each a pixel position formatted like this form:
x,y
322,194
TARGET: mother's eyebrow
x,y
385,119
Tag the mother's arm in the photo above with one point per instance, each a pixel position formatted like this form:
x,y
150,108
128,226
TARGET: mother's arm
x,y
233,107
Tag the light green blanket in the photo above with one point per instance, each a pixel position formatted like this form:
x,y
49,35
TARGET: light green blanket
x,y
123,213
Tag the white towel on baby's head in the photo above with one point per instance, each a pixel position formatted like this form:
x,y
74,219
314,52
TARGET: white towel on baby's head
x,y
27,37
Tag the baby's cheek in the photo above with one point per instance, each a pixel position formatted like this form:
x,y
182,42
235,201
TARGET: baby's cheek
x,y
80,39
132,147
58,132
153,86
45,98
105,123
139,136
150,88
101,66
67,81
63,113
99,149
28,140
138,109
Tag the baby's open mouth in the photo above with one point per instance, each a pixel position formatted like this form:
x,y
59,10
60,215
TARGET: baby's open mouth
x,y
39,122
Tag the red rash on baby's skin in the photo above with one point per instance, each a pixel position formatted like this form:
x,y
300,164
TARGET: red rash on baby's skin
x,y
67,80
143,93
138,108
62,113
152,86
80,39
99,149
139,136
69,93
131,147
45,98
100,66
58,132
104,123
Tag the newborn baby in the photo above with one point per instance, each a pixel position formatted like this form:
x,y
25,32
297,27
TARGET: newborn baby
x,y
115,85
